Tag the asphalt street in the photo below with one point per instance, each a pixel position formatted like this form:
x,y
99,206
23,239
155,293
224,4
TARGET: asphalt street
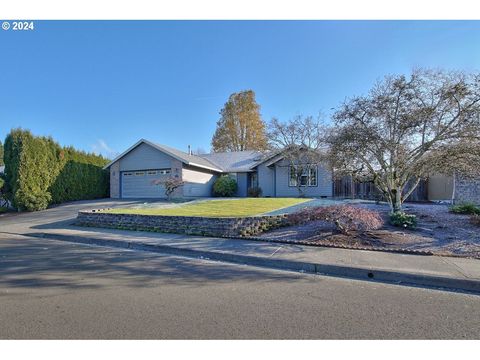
x,y
57,290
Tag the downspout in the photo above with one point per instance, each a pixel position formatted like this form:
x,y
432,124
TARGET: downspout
x,y
274,180
453,188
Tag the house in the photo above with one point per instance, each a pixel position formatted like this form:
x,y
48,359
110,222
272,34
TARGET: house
x,y
136,172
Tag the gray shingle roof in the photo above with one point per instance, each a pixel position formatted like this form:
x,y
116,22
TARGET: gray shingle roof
x,y
189,159
235,161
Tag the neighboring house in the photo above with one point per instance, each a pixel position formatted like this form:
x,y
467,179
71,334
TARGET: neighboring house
x,y
136,173
466,190
2,169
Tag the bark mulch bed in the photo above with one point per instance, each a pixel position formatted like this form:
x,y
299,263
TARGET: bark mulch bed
x,y
439,232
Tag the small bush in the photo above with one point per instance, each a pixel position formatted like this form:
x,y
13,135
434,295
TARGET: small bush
x,y
404,220
466,208
346,218
171,184
254,192
224,186
475,220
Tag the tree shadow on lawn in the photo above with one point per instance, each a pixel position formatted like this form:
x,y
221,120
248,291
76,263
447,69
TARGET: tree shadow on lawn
x,y
33,263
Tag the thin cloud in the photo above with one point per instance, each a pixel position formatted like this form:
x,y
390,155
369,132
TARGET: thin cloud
x,y
101,148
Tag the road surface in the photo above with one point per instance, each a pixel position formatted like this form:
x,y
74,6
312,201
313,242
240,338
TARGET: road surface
x,y
55,290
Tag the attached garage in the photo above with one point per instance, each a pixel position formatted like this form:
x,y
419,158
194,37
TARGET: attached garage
x,y
135,173
143,183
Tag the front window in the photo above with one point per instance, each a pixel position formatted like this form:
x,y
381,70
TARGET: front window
x,y
307,178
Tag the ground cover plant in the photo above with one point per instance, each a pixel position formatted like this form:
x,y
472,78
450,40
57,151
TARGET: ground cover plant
x,y
466,208
346,218
404,220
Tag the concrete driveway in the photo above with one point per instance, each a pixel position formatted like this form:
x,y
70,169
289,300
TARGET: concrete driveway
x,y
56,216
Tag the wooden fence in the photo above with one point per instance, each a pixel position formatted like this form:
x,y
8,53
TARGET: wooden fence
x,y
346,187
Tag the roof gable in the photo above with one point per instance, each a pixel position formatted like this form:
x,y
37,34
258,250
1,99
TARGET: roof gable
x,y
185,158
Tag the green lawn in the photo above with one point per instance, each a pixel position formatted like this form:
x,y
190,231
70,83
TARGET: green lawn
x,y
218,208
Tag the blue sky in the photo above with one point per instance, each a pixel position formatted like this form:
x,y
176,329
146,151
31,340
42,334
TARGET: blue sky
x,y
102,85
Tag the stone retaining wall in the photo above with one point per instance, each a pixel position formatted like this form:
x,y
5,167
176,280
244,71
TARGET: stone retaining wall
x,y
220,227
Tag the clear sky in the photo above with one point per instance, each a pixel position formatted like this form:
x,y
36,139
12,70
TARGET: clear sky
x,y
101,86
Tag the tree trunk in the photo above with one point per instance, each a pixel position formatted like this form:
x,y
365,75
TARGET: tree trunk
x,y
396,200
300,192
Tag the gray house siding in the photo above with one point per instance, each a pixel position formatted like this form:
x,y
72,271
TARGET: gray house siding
x,y
198,182
242,184
145,157
323,188
265,180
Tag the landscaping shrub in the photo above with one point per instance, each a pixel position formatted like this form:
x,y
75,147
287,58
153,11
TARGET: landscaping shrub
x,y
39,172
171,184
81,177
225,186
254,191
404,220
346,218
466,208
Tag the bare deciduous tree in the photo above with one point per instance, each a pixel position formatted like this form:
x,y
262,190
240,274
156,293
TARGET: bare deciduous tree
x,y
407,128
301,142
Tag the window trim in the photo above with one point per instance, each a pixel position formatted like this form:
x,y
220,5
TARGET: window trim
x,y
291,182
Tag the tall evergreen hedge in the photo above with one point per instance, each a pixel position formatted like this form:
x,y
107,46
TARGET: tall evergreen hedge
x,y
1,153
39,172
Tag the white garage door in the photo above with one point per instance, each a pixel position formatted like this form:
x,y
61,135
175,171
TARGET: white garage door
x,y
142,183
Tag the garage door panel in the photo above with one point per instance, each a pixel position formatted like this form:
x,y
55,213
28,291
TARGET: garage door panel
x,y
142,184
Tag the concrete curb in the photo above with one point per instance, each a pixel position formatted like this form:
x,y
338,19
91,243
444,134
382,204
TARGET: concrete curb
x,y
357,273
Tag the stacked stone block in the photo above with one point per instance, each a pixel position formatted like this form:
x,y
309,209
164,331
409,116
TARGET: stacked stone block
x,y
192,225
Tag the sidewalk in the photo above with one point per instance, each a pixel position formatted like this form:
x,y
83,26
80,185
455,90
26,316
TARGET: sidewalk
x,y
451,273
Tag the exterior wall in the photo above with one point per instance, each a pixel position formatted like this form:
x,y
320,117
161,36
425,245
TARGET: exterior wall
x,y
265,180
467,191
198,182
323,188
242,184
440,187
145,157
115,180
